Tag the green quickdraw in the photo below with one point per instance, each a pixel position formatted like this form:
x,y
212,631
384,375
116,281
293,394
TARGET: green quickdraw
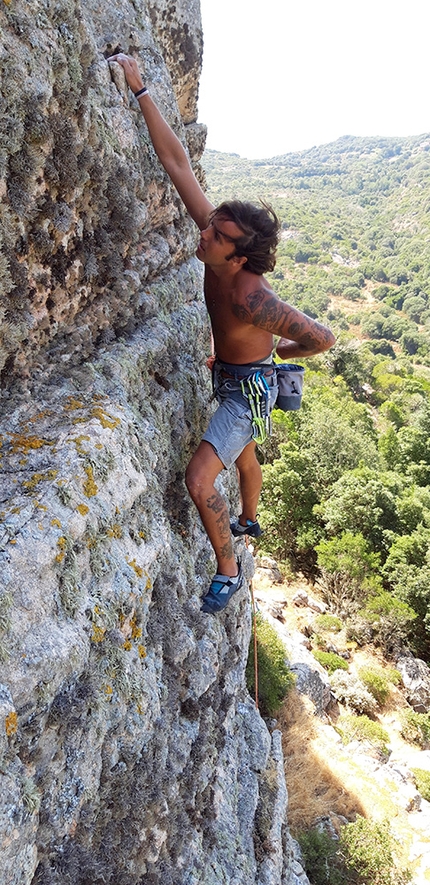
x,y
256,390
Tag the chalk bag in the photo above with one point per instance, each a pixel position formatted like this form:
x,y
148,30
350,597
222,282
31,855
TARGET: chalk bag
x,y
290,386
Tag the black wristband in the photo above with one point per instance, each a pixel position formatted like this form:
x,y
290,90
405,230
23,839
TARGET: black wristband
x,y
140,92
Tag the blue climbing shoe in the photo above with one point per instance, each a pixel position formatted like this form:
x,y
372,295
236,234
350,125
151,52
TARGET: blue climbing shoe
x,y
251,528
220,592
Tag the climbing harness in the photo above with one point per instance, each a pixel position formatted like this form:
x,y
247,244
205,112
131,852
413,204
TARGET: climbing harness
x,y
257,391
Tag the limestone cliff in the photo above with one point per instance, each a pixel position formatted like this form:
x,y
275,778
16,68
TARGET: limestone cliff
x,y
130,751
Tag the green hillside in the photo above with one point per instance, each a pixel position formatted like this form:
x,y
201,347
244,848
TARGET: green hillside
x,y
355,218
347,478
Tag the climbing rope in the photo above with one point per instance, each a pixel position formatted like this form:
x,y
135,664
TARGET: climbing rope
x,y
254,625
254,630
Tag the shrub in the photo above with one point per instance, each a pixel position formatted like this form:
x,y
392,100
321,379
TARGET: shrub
x,y
416,728
330,660
376,682
320,642
422,780
394,676
328,623
320,859
364,855
359,630
361,728
349,690
390,619
367,848
274,676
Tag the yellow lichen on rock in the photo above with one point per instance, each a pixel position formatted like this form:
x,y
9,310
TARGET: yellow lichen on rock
x,y
90,486
82,509
11,723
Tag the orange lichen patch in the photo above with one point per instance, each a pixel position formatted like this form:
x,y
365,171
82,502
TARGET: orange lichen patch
x,y
108,691
98,633
23,461
40,415
78,440
99,446
62,544
128,645
82,509
137,568
56,522
11,723
22,443
142,535
40,526
72,404
12,541
115,531
142,651
136,632
16,510
90,487
105,419
31,484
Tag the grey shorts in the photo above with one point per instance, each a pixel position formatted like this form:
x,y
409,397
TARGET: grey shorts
x,y
230,428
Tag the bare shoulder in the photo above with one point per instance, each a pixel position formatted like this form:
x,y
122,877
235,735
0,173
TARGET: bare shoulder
x,y
255,299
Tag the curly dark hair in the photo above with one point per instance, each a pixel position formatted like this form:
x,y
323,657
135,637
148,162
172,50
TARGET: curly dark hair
x,y
260,227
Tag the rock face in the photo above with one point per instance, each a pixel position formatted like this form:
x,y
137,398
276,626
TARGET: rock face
x,y
88,216
130,751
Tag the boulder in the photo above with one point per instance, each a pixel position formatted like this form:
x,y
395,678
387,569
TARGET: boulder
x,y
302,598
416,679
312,679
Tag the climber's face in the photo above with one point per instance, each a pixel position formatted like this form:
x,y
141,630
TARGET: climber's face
x,y
217,242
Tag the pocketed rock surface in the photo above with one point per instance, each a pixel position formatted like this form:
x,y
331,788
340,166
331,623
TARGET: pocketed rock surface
x,y
130,751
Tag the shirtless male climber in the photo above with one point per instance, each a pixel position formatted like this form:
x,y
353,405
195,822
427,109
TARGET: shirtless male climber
x,y
237,245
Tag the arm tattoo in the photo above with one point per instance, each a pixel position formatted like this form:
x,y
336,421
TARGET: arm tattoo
x,y
254,299
264,309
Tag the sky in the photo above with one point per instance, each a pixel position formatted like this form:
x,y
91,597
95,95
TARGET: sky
x,y
281,76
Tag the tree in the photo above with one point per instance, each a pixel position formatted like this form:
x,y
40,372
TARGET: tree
x,y
287,500
363,502
407,571
337,438
346,564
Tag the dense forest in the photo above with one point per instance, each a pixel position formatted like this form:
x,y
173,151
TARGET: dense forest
x,y
346,495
